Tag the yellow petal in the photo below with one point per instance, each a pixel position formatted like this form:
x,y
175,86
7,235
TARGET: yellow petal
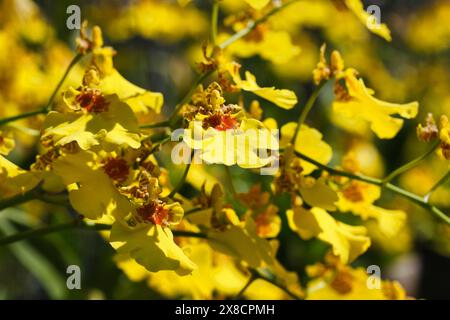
x,y
319,195
139,99
7,142
133,270
363,105
243,146
389,221
356,6
70,128
118,126
309,142
198,285
77,169
257,4
15,180
283,98
348,242
152,246
242,242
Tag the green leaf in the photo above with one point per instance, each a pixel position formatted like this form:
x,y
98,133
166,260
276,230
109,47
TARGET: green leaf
x,y
52,282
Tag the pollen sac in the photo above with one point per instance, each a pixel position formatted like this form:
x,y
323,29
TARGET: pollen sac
x,y
343,282
92,101
429,131
117,169
220,122
208,106
154,212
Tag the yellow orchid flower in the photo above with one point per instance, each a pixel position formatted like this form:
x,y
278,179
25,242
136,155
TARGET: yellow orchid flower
x,y
197,285
152,246
140,220
100,120
358,197
140,100
102,75
222,134
348,242
358,103
83,178
240,146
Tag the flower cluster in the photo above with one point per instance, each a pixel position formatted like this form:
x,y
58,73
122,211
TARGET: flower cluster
x,y
214,227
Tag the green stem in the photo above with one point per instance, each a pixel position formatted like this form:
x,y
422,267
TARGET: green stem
x,y
410,164
34,194
238,204
78,224
159,144
22,116
437,185
307,109
188,95
161,124
189,234
48,107
214,21
19,199
389,186
183,178
193,210
30,234
230,182
74,61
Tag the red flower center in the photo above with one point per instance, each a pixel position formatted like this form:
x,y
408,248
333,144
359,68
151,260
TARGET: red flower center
x,y
154,212
92,101
117,169
220,122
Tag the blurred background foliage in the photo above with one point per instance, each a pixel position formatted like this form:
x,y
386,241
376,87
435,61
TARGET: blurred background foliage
x,y
158,45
